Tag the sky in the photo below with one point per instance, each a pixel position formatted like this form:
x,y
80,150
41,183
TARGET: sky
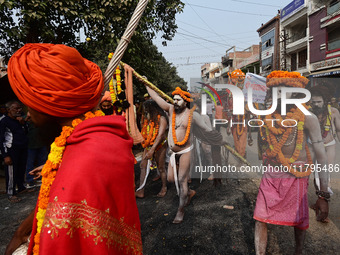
x,y
206,29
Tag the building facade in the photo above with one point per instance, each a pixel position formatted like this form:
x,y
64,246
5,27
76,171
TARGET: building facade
x,y
269,46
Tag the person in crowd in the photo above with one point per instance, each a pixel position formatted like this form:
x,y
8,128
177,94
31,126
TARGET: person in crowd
x,y
13,146
155,145
3,111
106,104
37,151
282,197
329,119
86,203
182,117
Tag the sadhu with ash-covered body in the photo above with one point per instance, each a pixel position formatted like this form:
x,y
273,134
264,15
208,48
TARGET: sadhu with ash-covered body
x,y
154,127
282,197
180,143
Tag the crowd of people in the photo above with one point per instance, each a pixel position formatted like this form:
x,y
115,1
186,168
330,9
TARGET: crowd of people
x,y
85,192
22,150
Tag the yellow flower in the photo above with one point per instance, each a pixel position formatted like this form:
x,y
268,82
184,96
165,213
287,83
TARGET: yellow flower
x,y
40,217
56,153
300,125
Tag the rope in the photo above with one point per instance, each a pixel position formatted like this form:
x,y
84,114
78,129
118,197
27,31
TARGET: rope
x,y
123,43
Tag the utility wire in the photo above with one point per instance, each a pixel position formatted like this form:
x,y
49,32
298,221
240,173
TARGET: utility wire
x,y
216,9
246,2
204,21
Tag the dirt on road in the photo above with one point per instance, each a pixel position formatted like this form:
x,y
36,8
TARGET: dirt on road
x,y
208,228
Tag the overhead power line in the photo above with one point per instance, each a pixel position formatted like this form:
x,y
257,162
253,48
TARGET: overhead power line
x,y
222,10
204,21
246,2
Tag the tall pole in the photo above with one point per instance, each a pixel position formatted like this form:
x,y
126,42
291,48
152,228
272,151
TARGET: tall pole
x,y
124,42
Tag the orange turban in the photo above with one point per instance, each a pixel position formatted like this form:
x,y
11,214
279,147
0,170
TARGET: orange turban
x,y
183,94
106,97
55,79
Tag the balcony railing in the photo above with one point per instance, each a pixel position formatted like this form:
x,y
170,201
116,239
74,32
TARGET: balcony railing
x,y
333,8
334,44
297,36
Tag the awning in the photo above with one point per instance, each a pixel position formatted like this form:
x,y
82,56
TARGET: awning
x,y
323,73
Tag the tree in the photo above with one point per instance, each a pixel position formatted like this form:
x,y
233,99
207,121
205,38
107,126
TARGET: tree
x,y
144,57
104,21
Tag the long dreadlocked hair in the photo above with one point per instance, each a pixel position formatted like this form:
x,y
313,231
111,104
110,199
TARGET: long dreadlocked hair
x,y
151,107
326,92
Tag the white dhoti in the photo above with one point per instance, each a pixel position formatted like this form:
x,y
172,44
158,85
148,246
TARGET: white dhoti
x,y
173,164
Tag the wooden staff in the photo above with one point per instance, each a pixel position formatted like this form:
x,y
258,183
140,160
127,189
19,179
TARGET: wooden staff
x,y
166,97
236,154
150,85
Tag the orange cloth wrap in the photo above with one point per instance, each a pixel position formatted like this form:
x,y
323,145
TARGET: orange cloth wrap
x,y
131,124
55,79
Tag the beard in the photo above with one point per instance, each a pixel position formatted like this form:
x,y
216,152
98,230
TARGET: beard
x,y
318,110
179,109
108,111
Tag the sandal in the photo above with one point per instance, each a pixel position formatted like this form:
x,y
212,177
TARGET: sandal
x,y
14,199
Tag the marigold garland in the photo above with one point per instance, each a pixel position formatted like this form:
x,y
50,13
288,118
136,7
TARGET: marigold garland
x,y
285,78
183,94
187,133
150,132
327,127
49,173
275,146
239,127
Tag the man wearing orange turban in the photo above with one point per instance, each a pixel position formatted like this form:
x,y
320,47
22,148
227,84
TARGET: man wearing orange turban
x,y
239,130
283,193
86,204
106,104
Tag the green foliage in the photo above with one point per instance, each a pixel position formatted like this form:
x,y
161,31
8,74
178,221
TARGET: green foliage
x,y
144,57
103,21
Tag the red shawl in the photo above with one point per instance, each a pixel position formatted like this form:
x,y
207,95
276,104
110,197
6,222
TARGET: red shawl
x,y
92,207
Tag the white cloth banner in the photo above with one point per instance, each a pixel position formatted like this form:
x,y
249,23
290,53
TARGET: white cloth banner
x,y
258,85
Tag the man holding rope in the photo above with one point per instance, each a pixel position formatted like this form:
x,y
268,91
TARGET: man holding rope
x,y
179,140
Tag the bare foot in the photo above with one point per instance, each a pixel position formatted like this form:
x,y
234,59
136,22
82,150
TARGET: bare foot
x,y
190,195
327,220
162,193
211,177
313,207
179,217
156,178
139,193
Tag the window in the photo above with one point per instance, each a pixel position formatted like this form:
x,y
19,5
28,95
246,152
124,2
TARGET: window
x,y
293,62
333,37
268,40
333,7
302,58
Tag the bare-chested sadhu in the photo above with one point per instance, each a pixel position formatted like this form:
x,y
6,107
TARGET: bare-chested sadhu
x,y
181,119
282,197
